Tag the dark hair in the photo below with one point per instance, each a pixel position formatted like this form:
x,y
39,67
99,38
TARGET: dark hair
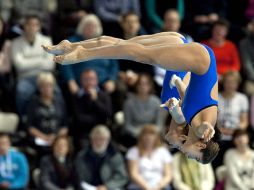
x,y
150,81
221,22
32,16
124,16
212,147
3,135
239,132
210,152
64,137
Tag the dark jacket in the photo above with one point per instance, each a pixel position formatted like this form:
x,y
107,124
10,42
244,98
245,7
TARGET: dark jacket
x,y
112,171
55,175
47,118
90,113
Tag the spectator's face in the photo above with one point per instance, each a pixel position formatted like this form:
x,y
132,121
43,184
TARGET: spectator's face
x,y
143,86
131,25
242,141
99,143
89,80
230,84
219,32
149,140
172,21
4,145
90,30
61,148
46,89
32,26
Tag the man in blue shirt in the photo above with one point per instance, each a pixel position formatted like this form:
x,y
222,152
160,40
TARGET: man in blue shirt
x,y
14,169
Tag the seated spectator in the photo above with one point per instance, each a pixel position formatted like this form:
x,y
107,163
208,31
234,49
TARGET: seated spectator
x,y
111,11
46,113
14,167
149,162
56,169
5,67
233,106
100,165
239,162
226,53
233,114
247,49
141,108
172,23
107,70
189,174
91,105
29,60
201,14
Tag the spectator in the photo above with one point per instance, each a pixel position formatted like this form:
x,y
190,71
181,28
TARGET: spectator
x,y
149,162
156,9
141,108
233,105
92,106
56,169
239,163
107,70
201,14
247,49
100,165
226,53
189,174
46,113
14,169
5,67
233,114
172,23
111,11
29,59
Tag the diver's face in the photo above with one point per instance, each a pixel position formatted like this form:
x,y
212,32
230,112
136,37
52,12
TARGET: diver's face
x,y
193,151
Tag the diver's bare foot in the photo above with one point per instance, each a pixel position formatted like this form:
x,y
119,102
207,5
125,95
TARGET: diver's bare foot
x,y
75,56
205,131
59,49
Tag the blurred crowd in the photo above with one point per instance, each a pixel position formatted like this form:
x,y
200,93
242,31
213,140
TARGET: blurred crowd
x,y
97,125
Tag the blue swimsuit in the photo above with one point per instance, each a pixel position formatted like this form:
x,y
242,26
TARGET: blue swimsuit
x,y
198,93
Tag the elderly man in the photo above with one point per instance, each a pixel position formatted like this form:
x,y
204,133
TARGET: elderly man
x,y
100,166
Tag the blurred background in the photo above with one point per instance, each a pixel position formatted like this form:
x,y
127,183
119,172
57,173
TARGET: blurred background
x,y
97,125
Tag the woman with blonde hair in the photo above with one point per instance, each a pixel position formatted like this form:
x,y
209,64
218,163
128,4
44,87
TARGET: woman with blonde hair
x,y
46,116
149,162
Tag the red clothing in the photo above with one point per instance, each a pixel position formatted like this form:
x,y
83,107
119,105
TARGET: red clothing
x,y
227,56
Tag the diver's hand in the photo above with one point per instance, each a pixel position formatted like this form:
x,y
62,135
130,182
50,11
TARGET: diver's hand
x,y
204,131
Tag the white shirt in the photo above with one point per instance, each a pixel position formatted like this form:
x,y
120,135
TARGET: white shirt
x,y
31,59
230,111
150,168
240,172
